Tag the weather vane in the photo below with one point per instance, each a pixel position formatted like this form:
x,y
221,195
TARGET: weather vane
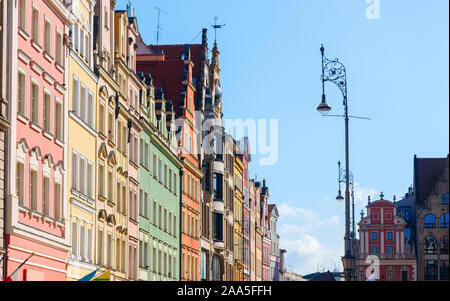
x,y
216,26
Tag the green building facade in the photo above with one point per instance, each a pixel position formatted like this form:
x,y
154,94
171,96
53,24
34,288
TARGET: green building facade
x,y
159,195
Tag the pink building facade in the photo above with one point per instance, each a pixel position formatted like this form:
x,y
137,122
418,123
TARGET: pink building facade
x,y
37,161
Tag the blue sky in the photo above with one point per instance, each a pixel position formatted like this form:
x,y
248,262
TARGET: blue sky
x,y
397,68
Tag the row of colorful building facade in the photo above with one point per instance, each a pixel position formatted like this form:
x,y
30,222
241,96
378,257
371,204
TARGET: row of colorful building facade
x,y
113,154
407,239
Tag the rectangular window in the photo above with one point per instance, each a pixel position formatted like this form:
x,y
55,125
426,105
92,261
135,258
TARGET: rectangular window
x,y
35,103
23,14
89,244
58,121
390,236
46,196
101,180
111,127
100,248
374,235
82,242
141,202
111,187
21,90
82,175
101,123
75,96
146,205
374,250
35,26
83,103
218,226
58,204
59,49
20,182
89,179
47,37
47,112
390,250
74,170
74,238
90,118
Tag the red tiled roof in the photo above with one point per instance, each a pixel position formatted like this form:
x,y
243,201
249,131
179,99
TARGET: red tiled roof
x,y
426,172
168,74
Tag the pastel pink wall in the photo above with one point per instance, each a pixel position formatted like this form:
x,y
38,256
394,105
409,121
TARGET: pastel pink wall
x,y
33,137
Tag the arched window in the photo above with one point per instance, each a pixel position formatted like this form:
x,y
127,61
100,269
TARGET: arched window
x,y
217,272
430,221
444,220
444,245
430,245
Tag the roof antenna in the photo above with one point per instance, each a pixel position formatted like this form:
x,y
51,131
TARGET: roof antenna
x,y
216,26
159,28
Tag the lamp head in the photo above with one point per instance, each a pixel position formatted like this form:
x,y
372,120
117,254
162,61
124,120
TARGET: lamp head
x,y
324,108
339,198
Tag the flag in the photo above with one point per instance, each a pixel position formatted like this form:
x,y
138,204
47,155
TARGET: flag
x,y
91,275
14,276
103,277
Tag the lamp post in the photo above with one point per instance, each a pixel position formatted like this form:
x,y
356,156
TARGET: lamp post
x,y
334,71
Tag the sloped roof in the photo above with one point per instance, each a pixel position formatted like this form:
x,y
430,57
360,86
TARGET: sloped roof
x,y
327,276
426,173
168,73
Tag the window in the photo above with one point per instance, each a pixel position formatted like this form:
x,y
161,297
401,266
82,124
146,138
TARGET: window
x,y
111,127
101,122
90,117
430,245
82,42
111,185
83,103
47,112
430,221
74,238
444,199
118,254
75,96
390,250
20,183
146,204
430,270
390,236
23,14
58,205
89,180
218,186
21,92
59,48
218,226
58,120
47,36
35,103
82,241
89,244
443,270
374,250
46,196
109,250
100,248
34,190
82,175
35,25
444,246
101,180
444,220
374,235
74,170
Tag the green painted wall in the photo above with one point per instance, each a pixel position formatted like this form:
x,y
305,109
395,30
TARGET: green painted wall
x,y
167,197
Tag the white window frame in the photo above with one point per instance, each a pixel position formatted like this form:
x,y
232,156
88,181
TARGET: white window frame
x,y
49,128
76,99
49,50
59,126
35,82
22,72
38,29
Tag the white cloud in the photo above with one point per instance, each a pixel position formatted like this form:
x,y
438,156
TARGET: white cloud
x,y
287,210
362,194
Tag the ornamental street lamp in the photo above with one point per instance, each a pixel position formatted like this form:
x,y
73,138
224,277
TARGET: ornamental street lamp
x,y
334,71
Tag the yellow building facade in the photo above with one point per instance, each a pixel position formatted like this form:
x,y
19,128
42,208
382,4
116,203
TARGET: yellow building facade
x,y
238,216
82,145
